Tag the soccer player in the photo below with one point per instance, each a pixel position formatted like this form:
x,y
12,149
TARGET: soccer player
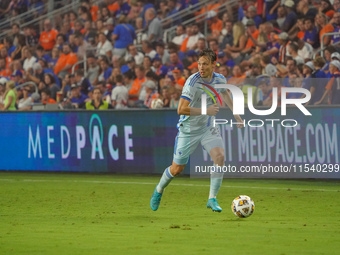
x,y
194,128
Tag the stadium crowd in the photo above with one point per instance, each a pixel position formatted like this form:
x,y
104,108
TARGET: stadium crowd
x,y
129,63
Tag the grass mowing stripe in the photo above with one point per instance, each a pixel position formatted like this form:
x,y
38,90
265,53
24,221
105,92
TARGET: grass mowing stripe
x,y
175,184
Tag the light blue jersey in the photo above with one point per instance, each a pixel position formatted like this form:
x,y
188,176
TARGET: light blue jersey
x,y
192,91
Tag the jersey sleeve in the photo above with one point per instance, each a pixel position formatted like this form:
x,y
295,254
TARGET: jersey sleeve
x,y
189,89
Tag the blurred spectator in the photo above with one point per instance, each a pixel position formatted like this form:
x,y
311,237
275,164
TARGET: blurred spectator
x,y
4,54
147,64
26,102
311,35
201,44
66,85
166,97
162,53
174,62
110,26
132,52
148,49
226,35
305,51
120,94
324,27
281,16
213,44
288,71
336,4
38,74
81,45
265,88
4,72
77,98
305,10
216,25
307,70
3,82
128,77
105,13
150,93
291,16
140,32
332,89
224,71
172,10
336,25
123,35
106,70
319,83
10,97
48,36
81,81
29,59
175,96
55,54
97,103
155,29
17,77
238,76
46,97
106,95
32,38
193,34
239,41
268,67
178,78
137,84
49,82
19,42
180,35
327,8
41,54
104,46
8,41
92,69
293,52
65,61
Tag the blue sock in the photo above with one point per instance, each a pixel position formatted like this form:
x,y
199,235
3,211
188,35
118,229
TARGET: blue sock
x,y
165,180
216,178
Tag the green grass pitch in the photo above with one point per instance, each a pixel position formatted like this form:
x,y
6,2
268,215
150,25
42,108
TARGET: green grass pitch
x,y
49,213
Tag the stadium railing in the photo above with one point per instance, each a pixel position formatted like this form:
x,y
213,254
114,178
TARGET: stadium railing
x,y
171,32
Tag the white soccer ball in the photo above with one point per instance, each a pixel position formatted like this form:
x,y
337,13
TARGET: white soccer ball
x,y
243,206
157,103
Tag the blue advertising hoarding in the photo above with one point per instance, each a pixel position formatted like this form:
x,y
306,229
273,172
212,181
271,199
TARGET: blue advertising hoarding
x,y
142,141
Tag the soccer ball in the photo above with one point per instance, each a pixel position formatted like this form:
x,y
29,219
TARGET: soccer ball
x,y
243,206
157,103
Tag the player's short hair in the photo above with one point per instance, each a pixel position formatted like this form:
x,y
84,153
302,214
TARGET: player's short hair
x,y
208,53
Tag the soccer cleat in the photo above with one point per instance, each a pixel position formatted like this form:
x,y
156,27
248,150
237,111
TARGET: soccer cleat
x,y
212,203
155,200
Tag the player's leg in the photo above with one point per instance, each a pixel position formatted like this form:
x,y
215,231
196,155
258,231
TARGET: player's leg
x,y
213,143
182,149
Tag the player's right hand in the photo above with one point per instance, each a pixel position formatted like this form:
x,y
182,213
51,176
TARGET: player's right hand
x,y
213,110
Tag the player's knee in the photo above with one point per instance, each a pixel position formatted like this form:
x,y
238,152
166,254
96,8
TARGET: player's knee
x,y
176,169
219,158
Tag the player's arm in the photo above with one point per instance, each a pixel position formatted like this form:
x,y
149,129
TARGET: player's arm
x,y
229,101
185,109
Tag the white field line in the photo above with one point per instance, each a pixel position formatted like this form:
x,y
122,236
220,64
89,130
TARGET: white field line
x,y
173,184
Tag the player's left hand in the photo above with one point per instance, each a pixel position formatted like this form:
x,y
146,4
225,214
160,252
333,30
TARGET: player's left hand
x,y
239,121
